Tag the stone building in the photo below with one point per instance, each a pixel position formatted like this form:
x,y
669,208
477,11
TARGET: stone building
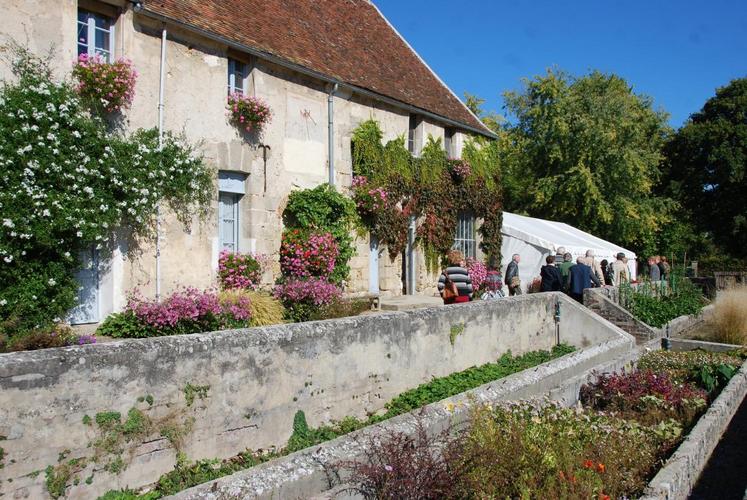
x,y
323,66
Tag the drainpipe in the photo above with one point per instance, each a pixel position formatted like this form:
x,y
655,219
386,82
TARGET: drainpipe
x,y
161,85
331,132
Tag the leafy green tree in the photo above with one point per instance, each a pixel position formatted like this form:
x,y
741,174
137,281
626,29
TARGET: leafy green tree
x,y
586,151
705,167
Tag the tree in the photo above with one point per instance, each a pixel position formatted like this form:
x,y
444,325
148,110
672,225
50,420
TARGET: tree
x,y
586,151
705,167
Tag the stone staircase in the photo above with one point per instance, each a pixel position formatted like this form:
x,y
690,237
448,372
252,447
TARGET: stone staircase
x,y
598,300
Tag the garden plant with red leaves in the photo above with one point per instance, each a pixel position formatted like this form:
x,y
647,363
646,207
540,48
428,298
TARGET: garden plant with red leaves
x,y
646,396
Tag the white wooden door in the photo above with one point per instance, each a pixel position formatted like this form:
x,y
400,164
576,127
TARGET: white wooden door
x,y
228,223
373,265
87,309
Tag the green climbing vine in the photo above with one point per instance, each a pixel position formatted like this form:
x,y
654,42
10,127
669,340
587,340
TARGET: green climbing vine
x,y
390,185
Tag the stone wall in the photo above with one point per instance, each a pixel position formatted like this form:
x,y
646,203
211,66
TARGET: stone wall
x,y
605,302
214,395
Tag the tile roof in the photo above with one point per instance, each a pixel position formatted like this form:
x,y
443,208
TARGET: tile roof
x,y
347,40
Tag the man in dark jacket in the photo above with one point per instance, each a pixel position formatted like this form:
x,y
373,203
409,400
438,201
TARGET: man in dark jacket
x,y
580,278
512,276
552,281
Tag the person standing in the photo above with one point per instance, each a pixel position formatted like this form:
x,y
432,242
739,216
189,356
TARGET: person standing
x,y
559,256
620,271
455,276
565,269
552,281
580,279
606,272
654,273
596,268
665,268
512,276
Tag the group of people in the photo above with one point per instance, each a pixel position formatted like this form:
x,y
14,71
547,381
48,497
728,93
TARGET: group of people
x,y
658,268
561,274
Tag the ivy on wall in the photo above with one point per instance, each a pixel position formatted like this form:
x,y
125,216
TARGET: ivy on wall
x,y
390,185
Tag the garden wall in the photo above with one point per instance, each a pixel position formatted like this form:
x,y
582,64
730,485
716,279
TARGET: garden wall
x,y
216,394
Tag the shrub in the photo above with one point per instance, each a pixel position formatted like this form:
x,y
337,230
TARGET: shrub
x,y
305,254
730,316
303,298
124,325
236,308
684,366
43,338
187,310
68,184
248,112
656,306
324,210
265,309
397,465
645,396
110,86
525,452
240,270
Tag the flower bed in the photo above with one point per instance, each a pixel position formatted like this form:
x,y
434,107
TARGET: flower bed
x,y
609,446
185,311
240,270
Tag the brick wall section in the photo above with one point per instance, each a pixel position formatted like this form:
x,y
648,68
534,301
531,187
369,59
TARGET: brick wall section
x,y
597,300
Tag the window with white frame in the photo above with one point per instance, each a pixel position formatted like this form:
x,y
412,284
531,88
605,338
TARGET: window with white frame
x,y
231,188
449,142
412,135
95,34
464,237
238,75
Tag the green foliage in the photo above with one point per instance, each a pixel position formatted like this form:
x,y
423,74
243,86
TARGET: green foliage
x,y
390,185
108,419
68,184
455,331
192,391
587,150
123,325
87,420
326,210
444,387
705,167
657,306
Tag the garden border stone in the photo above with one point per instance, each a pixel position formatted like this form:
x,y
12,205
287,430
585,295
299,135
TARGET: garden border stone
x,y
679,475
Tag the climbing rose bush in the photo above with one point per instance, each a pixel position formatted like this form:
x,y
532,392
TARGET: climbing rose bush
x,y
240,270
68,184
305,254
109,85
248,112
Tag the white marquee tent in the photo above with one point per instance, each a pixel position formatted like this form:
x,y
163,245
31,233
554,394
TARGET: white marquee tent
x,y
534,239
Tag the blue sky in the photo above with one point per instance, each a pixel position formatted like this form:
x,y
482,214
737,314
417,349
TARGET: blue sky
x,y
677,52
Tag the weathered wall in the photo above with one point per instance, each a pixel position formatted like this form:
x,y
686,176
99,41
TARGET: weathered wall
x,y
258,378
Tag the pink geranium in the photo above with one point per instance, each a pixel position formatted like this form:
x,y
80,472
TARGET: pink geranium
x,y
111,85
248,112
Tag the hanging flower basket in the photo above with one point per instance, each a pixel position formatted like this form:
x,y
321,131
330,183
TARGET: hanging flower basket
x,y
459,169
248,112
108,85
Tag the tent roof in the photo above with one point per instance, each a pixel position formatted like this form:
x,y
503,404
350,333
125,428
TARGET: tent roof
x,y
552,235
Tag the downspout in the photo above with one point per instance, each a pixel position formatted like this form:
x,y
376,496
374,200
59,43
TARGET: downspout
x,y
331,132
161,85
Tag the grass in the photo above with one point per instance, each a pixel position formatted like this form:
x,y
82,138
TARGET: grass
x,y
730,316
